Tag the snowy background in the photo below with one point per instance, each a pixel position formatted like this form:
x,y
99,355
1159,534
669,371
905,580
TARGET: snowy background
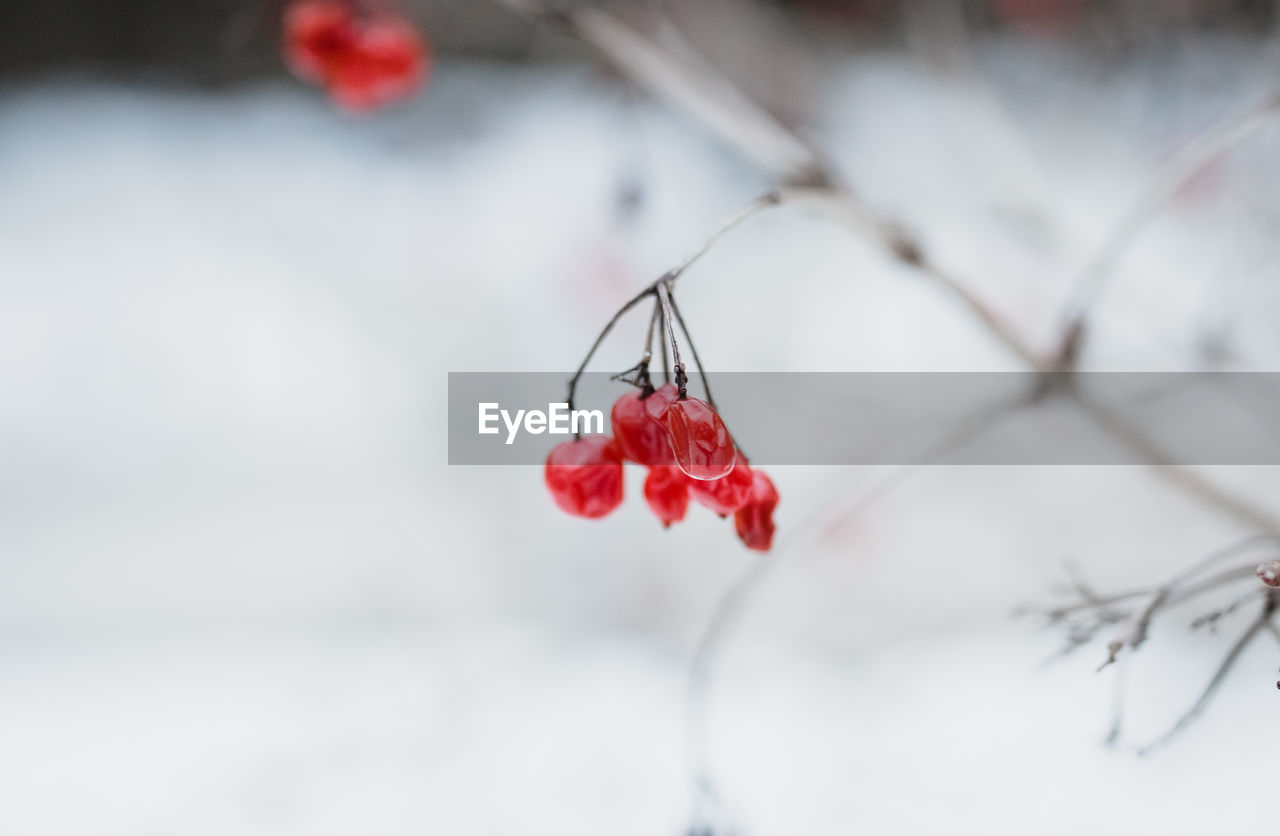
x,y
241,591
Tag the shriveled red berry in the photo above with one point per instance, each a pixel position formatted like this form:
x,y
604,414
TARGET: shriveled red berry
x,y
585,476
657,403
364,61
724,496
699,439
666,489
754,521
641,437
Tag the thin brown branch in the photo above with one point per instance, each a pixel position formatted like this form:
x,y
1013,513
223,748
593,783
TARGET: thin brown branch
x,y
1211,619
1188,479
1134,632
1263,621
689,83
688,339
631,303
668,320
1184,167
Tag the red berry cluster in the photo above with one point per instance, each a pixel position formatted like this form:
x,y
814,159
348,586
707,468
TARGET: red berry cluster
x,y
363,59
689,454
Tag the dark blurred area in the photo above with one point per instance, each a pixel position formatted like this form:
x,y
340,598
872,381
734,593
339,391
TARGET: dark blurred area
x,y
219,42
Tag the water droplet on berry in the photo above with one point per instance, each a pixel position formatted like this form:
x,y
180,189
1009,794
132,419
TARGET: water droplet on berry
x,y
699,439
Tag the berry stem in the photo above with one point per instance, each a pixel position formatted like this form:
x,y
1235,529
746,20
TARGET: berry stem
x,y
702,370
664,298
573,382
648,343
666,370
768,200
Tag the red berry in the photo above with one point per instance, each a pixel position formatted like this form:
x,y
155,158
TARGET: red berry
x,y
640,436
666,489
1269,573
363,61
724,496
754,521
658,402
388,63
699,439
317,35
585,476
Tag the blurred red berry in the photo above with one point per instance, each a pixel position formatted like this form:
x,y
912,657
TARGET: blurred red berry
x,y
666,489
1269,573
363,60
754,521
1041,18
388,64
585,476
641,437
317,35
724,496
699,439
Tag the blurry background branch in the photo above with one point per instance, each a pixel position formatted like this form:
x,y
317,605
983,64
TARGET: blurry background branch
x,y
221,41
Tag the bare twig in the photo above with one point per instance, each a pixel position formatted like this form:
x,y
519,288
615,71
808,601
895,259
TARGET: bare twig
x,y
1263,621
702,370
1185,166
1145,604
691,84
1211,619
668,319
1118,687
764,202
573,381
1177,590
1134,632
1188,479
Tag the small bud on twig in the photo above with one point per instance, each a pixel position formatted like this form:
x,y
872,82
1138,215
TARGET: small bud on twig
x,y
1269,573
